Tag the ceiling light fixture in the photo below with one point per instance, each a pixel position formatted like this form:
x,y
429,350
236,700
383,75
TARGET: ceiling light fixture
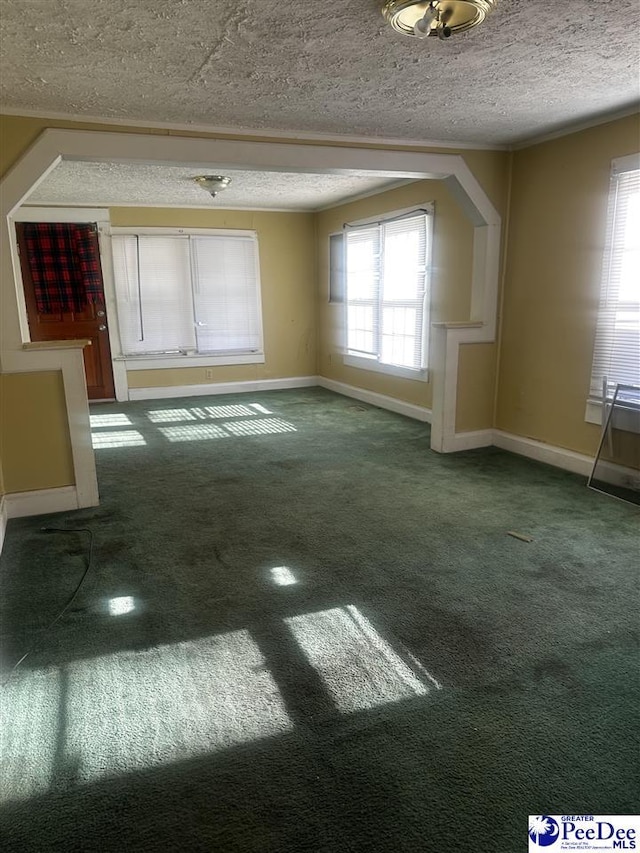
x,y
441,18
213,184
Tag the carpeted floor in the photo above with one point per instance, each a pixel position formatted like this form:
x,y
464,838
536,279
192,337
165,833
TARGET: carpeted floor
x,y
304,631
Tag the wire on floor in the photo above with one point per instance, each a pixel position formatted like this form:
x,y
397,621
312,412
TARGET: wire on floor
x,y
36,646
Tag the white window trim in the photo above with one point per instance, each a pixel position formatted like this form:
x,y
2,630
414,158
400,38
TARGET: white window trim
x,y
364,363
625,164
157,362
372,364
427,206
626,417
160,362
184,232
331,301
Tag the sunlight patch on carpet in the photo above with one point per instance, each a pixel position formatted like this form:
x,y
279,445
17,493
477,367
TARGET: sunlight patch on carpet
x,y
162,416
120,438
117,419
30,719
282,576
225,411
202,413
263,426
130,711
199,432
121,605
358,667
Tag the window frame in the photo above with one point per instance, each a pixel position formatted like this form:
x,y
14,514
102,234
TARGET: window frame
x,y
337,278
160,361
373,363
596,407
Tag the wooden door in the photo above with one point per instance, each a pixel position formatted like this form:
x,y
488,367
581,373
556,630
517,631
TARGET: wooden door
x,y
73,319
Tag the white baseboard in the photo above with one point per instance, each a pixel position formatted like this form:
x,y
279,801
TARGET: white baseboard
x,y
470,440
419,413
569,460
3,520
41,501
560,457
618,475
251,386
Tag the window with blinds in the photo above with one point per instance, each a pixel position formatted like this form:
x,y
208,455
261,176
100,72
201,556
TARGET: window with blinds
x,y
187,295
387,266
617,345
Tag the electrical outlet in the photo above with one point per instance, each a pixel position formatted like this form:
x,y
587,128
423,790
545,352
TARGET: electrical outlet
x,y
208,373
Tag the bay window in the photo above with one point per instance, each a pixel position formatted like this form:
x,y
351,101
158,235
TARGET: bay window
x,y
387,294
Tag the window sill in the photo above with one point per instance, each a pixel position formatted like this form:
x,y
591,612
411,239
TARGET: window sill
x,y
626,418
363,363
160,362
76,343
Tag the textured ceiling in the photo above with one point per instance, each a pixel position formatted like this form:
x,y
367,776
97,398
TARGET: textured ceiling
x,y
113,184
331,67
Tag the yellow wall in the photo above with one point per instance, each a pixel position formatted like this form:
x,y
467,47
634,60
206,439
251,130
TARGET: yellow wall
x,y
34,432
552,288
287,272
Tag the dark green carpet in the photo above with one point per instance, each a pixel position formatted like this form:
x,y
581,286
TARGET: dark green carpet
x,y
425,684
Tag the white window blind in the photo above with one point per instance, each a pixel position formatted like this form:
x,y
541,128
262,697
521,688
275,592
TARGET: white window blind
x,y
363,291
617,344
153,290
226,298
187,295
387,293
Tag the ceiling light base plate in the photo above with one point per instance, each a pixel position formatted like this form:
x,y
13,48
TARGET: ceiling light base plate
x,y
212,183
458,15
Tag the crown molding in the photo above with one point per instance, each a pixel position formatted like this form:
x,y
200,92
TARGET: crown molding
x,y
576,127
110,205
367,194
329,139
257,133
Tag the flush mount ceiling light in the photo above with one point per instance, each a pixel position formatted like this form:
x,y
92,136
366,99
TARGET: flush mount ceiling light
x,y
213,184
439,18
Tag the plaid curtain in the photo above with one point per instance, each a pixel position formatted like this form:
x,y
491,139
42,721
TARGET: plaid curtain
x,y
65,266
